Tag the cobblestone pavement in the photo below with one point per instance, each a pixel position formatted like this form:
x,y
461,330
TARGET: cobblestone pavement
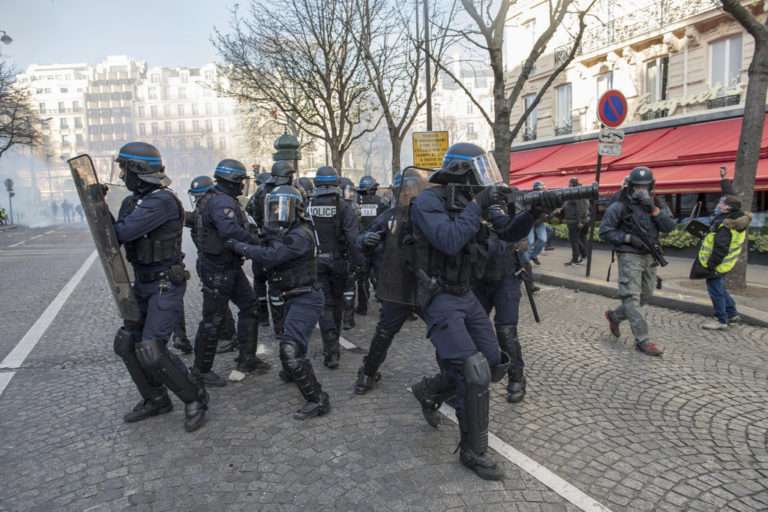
x,y
683,432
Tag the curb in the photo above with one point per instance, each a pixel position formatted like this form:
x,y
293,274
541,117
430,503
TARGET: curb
x,y
661,298
8,227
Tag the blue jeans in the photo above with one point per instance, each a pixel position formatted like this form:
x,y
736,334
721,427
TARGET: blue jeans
x,y
537,239
725,307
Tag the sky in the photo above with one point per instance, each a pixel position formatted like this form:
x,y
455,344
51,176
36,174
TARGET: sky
x,y
161,32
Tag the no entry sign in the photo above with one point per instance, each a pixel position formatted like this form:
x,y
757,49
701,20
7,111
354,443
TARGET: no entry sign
x,y
612,108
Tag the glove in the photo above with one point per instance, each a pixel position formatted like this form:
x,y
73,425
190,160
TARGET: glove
x,y
235,246
550,200
372,239
634,241
659,202
104,189
489,196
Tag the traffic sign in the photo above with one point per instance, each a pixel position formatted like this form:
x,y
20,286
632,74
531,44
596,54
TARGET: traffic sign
x,y
608,149
612,108
429,148
611,135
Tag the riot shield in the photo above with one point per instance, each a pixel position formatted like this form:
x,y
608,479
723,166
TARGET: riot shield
x,y
397,283
99,220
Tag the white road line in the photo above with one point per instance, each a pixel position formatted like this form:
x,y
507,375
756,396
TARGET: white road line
x,y
5,378
35,237
17,244
49,232
563,488
22,349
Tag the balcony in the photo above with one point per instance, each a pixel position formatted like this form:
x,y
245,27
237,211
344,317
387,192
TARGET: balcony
x,y
529,134
643,21
565,129
724,101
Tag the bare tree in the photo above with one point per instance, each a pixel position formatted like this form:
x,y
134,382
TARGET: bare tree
x,y
19,124
748,153
388,43
486,33
300,57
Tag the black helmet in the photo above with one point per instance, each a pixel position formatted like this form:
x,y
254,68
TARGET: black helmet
x,y
308,184
367,184
469,164
326,176
230,170
282,173
283,206
200,185
144,161
641,176
347,187
262,178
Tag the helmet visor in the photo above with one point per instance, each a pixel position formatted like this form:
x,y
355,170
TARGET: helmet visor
x,y
485,170
348,192
280,209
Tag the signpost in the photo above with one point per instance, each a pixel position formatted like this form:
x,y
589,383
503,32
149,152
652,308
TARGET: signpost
x,y
429,148
612,111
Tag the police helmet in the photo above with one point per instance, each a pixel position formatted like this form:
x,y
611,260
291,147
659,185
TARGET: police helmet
x,y
641,176
283,206
468,164
367,185
308,184
230,170
347,187
262,178
143,160
326,176
200,185
538,185
282,173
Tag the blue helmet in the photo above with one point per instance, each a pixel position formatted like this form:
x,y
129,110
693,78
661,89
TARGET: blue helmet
x,y
143,160
200,185
326,176
230,170
367,184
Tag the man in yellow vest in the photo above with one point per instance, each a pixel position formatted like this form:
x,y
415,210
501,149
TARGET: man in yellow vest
x,y
717,256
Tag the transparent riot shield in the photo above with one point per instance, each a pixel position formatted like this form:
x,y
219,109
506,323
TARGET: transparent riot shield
x,y
97,214
396,282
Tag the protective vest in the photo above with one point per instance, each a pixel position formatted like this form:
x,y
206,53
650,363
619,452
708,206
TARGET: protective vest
x,y
453,273
208,240
255,206
370,208
161,245
734,250
326,213
300,272
497,257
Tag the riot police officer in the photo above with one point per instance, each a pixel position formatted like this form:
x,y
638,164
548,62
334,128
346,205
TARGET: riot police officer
x,y
445,222
289,253
349,195
337,228
281,174
371,206
219,218
308,184
150,225
197,188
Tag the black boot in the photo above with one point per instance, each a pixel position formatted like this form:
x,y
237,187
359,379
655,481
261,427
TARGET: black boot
x,y
150,407
510,343
226,346
431,392
194,412
209,379
365,382
182,344
331,353
318,403
247,361
516,386
481,463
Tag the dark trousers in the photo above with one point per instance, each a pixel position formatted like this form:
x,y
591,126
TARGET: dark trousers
x,y
578,238
161,308
302,313
725,306
504,298
332,284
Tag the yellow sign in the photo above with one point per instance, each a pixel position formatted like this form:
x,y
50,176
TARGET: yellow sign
x,y
429,148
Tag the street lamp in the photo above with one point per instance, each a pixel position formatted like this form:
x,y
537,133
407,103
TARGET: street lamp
x,y
5,38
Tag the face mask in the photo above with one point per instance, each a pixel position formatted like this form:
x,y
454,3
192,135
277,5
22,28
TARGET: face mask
x,y
132,182
641,193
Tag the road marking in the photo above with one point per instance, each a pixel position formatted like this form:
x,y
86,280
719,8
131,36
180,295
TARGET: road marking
x,y
35,237
23,348
50,232
5,378
17,244
562,487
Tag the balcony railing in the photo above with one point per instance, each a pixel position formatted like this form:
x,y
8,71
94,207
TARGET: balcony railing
x,y
643,21
565,129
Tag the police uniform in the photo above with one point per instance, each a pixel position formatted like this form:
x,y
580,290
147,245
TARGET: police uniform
x,y
371,207
337,228
149,225
353,267
289,256
221,218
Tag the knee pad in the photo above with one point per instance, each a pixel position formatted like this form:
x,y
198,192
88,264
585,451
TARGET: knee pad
x,y
500,370
289,354
150,354
124,343
477,373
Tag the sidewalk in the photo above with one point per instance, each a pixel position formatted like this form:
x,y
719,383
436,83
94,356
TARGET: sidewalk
x,y
678,291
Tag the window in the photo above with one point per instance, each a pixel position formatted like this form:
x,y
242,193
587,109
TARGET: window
x,y
222,125
153,111
529,28
168,127
64,90
563,109
532,119
725,63
167,110
208,109
65,140
154,128
80,140
222,143
62,108
208,125
155,78
180,109
63,124
75,106
471,133
182,93
142,129
604,82
41,107
152,93
184,78
142,112
656,79
78,122
470,108
181,127
194,109
195,125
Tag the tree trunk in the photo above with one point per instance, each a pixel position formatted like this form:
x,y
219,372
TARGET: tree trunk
x,y
502,140
749,146
397,146
337,159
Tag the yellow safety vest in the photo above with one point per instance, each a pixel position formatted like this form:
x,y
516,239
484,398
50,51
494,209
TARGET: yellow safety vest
x,y
737,242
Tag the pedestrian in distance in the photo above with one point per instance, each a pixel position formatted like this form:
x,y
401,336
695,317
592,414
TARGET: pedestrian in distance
x,y
575,214
633,225
537,238
718,253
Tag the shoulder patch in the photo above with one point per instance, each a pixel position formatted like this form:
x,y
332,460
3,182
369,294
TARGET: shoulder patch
x,y
229,212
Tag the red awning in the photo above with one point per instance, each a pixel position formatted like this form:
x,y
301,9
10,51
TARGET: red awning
x,y
683,159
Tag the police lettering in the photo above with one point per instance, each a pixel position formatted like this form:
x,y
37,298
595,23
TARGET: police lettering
x,y
368,210
324,212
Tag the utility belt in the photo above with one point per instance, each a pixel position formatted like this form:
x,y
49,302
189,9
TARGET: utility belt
x,y
279,298
176,274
